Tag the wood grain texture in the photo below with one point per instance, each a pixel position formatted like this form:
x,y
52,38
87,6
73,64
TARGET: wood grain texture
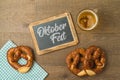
x,y
16,15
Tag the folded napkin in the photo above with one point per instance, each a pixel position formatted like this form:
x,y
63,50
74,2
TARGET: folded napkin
x,y
8,73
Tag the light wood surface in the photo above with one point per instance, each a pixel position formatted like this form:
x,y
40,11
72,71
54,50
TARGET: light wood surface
x,y
16,15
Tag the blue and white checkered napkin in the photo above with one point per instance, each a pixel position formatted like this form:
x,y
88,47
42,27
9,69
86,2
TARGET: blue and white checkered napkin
x,y
8,73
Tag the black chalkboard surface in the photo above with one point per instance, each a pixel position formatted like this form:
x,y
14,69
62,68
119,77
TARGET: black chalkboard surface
x,y
54,33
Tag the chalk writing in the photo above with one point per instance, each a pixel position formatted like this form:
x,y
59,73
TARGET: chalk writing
x,y
53,32
58,37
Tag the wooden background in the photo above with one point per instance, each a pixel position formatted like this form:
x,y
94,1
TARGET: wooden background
x,y
16,15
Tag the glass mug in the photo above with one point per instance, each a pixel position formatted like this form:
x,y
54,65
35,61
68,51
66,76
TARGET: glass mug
x,y
87,19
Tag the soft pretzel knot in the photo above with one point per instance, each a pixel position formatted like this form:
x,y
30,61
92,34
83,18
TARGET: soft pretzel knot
x,y
75,61
86,62
94,60
16,53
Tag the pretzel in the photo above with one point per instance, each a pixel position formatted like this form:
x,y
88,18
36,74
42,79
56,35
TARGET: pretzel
x,y
75,60
86,62
94,60
16,53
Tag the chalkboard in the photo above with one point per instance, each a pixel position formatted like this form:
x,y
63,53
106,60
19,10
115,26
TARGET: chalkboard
x,y
54,33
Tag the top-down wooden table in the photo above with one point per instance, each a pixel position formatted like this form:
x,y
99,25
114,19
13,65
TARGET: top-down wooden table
x,y
16,15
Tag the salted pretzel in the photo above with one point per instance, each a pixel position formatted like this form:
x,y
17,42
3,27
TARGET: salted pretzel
x,y
75,62
94,61
16,53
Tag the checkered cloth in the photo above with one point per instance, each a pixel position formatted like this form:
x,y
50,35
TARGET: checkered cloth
x,y
8,73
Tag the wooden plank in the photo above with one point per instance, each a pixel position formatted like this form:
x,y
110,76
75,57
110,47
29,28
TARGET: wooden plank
x,y
15,16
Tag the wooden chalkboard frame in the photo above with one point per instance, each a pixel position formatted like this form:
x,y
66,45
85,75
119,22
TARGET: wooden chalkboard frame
x,y
72,29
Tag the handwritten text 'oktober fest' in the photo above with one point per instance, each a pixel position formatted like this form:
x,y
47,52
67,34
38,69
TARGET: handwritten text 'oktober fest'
x,y
54,32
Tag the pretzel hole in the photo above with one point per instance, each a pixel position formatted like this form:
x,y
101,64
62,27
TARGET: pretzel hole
x,y
92,53
23,52
93,65
71,60
22,61
80,55
79,65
